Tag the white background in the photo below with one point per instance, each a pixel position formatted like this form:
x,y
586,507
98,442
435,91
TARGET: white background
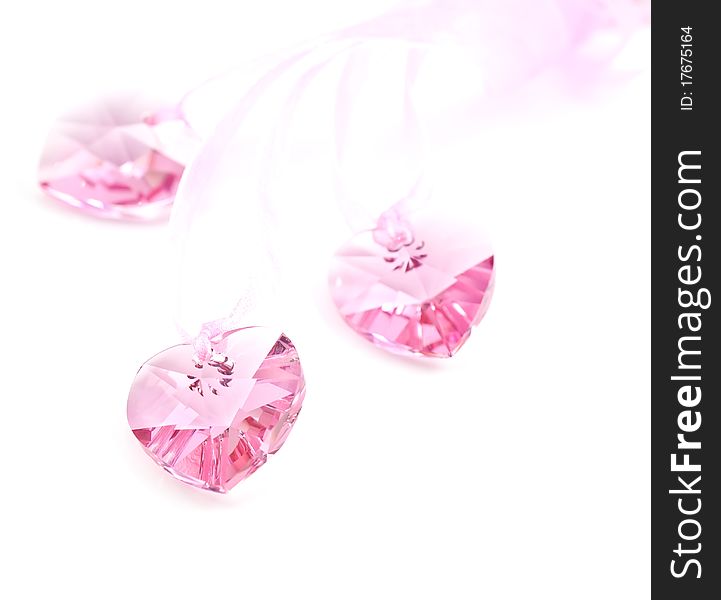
x,y
516,470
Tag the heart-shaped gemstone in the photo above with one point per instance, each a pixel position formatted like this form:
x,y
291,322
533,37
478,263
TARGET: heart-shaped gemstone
x,y
213,424
121,158
414,294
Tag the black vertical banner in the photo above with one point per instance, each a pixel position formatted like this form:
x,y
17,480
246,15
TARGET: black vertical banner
x,y
686,301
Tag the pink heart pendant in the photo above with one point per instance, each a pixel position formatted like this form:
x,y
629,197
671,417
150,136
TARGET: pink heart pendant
x,y
121,158
213,424
413,289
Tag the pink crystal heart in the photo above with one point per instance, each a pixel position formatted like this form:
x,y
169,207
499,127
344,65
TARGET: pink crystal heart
x,y
121,158
414,294
214,424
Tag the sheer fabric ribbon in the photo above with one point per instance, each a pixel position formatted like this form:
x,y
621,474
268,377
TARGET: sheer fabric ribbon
x,y
345,115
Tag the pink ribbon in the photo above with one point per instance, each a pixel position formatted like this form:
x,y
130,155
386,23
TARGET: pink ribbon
x,y
227,215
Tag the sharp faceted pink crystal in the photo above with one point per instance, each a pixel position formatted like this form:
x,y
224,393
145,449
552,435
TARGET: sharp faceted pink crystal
x,y
121,158
421,296
213,424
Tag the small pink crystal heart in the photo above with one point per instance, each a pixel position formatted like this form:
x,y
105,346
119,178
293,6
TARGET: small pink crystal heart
x,y
121,158
214,424
418,296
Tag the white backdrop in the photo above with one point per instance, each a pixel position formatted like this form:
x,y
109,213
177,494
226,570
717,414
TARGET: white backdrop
x,y
518,469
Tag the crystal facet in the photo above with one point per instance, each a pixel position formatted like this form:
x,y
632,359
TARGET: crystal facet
x,y
121,158
420,298
213,424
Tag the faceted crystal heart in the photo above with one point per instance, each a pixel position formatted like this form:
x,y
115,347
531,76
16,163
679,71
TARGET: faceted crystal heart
x,y
212,425
414,294
120,158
